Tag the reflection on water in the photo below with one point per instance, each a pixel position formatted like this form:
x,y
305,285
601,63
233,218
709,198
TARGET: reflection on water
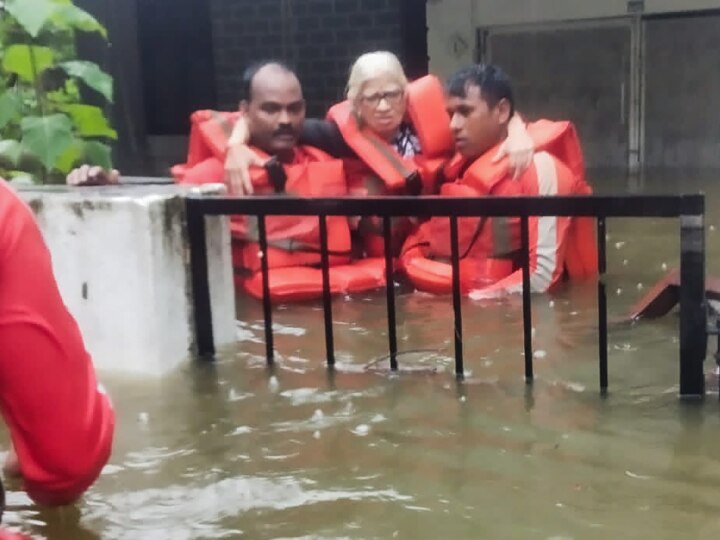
x,y
233,450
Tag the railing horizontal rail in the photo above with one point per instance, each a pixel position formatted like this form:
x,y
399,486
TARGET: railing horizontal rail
x,y
573,206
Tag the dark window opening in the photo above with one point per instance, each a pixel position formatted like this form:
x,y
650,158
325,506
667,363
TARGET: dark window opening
x,y
176,55
414,36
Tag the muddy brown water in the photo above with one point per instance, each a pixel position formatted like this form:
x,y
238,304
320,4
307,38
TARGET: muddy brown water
x,y
234,450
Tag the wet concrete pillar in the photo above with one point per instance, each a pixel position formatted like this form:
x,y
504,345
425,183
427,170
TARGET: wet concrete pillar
x,y
121,260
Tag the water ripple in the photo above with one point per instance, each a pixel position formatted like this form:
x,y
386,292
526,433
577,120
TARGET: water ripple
x,y
152,457
180,512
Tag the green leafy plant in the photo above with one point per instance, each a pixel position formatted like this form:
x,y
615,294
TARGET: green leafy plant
x,y
45,128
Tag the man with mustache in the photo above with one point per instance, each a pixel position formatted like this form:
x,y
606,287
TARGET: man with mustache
x,y
274,109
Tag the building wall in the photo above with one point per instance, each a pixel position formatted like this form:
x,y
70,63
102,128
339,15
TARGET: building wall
x,y
527,11
646,94
319,37
450,21
562,74
682,92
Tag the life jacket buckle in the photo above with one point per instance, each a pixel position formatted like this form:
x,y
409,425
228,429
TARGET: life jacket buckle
x,y
413,183
276,174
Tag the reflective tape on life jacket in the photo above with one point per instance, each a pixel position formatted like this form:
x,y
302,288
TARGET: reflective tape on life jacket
x,y
561,141
547,234
550,236
426,111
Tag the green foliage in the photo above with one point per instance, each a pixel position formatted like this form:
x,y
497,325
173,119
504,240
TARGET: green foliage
x,y
91,75
45,128
47,137
28,62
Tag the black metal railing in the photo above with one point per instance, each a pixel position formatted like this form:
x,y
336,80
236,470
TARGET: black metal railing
x,y
689,208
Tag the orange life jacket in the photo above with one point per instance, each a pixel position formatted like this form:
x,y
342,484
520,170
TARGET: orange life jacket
x,y
207,146
560,139
380,161
488,247
298,283
295,240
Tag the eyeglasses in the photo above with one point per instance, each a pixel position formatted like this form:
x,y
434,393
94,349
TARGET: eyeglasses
x,y
392,97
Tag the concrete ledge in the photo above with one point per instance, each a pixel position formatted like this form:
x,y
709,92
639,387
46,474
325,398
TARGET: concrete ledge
x,y
120,256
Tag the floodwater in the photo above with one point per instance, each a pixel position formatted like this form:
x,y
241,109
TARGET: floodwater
x,y
234,450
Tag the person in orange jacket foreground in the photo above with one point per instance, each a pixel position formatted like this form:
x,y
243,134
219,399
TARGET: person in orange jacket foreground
x,y
274,108
481,104
61,422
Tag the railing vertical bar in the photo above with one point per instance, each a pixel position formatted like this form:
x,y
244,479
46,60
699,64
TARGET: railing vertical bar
x,y
267,303
457,306
202,309
602,303
327,300
693,316
390,292
527,302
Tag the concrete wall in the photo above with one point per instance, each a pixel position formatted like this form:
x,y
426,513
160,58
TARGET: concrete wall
x,y
682,92
531,11
119,255
452,20
564,74
451,35
621,101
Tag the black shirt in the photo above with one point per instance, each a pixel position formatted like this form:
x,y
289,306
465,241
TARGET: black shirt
x,y
326,136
